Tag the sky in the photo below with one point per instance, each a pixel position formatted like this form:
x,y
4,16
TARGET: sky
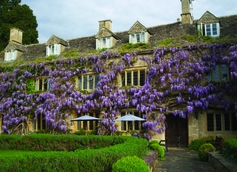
x,y
80,18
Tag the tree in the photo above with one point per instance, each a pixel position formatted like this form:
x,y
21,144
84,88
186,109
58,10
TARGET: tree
x,y
20,16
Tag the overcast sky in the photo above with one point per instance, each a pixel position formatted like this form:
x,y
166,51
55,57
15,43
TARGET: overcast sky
x,y
70,19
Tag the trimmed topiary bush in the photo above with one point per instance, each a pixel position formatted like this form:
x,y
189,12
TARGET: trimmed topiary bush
x,y
130,164
154,145
204,149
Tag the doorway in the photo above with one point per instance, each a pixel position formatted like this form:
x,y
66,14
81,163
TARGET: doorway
x,y
176,131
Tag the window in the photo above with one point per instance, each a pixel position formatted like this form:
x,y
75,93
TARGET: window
x,y
137,37
42,84
88,82
210,29
10,55
54,49
131,125
221,122
105,42
40,122
133,77
88,125
220,74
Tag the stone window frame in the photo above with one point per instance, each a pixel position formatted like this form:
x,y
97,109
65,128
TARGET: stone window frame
x,y
86,80
42,84
40,122
219,122
218,72
125,80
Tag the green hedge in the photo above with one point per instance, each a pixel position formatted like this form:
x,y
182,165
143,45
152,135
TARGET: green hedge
x,y
98,160
49,142
229,149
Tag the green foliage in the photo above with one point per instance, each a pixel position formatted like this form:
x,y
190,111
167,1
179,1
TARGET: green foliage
x,y
71,53
229,149
30,86
20,16
195,144
154,145
190,38
204,149
165,42
129,47
83,159
130,164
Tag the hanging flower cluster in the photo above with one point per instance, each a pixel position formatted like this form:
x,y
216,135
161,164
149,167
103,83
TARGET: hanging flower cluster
x,y
172,85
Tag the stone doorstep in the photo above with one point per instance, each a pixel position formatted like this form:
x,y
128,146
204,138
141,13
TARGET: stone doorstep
x,y
220,163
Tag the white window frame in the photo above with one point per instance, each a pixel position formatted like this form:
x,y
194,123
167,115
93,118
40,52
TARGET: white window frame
x,y
105,42
138,37
132,71
53,49
209,29
40,84
10,55
85,81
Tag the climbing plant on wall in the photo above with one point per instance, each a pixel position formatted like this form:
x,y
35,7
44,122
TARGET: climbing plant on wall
x,y
174,84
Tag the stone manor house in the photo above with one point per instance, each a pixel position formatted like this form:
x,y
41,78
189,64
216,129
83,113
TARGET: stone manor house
x,y
211,122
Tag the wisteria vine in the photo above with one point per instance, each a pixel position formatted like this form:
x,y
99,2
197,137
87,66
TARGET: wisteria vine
x,y
172,85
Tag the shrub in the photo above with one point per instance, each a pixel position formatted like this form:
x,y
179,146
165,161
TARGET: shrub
x,y
229,149
195,144
130,164
154,145
204,149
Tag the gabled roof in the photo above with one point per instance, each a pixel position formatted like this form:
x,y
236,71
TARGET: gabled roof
x,y
104,32
56,40
208,17
137,27
15,46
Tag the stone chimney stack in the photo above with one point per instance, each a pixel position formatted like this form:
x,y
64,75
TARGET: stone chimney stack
x,y
16,35
105,23
186,15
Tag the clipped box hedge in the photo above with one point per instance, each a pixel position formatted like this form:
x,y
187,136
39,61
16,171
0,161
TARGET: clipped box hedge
x,y
86,159
49,142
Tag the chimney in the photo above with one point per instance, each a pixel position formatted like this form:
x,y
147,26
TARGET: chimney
x,y
105,23
186,15
16,35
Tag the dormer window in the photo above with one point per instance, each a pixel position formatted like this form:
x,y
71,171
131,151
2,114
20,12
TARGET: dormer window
x,y
53,49
103,43
138,37
212,29
10,55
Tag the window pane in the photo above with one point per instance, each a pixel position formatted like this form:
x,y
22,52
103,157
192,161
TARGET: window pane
x,y
216,74
224,72
208,77
142,77
129,78
136,123
218,122
227,122
123,79
80,82
91,79
210,122
234,121
91,123
85,82
40,84
208,30
123,123
214,29
96,80
135,78
138,37
45,84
